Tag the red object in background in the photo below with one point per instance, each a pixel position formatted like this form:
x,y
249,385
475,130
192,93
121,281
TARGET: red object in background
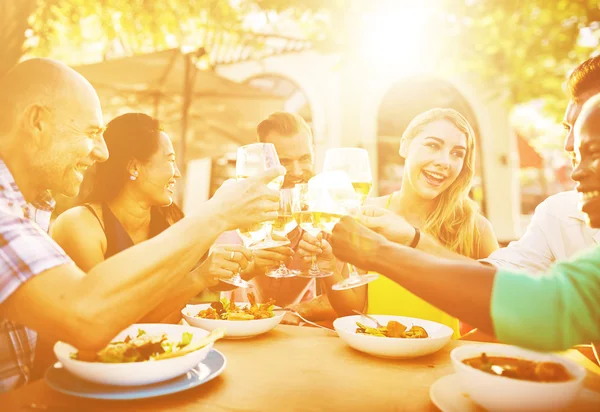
x,y
527,154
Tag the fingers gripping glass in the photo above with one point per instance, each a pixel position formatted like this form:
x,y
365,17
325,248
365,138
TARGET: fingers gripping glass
x,y
309,221
355,163
284,224
252,160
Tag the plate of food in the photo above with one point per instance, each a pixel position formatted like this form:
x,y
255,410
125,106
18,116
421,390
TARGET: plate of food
x,y
61,380
142,354
508,378
394,337
238,319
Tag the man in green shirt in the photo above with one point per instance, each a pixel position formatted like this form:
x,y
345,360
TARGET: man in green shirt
x,y
550,312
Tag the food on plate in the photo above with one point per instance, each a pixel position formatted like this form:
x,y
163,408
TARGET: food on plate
x,y
225,310
393,329
146,347
521,369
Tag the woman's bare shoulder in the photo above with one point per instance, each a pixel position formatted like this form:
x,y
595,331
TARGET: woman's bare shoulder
x,y
78,219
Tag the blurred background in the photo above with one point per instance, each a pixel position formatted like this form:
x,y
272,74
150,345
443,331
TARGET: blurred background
x,y
357,70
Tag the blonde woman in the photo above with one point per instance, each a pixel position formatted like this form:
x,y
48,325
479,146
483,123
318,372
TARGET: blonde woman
x,y
432,206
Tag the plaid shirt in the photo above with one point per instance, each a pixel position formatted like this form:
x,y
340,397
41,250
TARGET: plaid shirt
x,y
25,251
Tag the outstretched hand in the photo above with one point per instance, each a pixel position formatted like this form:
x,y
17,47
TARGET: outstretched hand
x,y
389,224
355,243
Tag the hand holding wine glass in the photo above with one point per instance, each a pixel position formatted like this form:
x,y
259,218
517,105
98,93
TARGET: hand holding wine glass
x,y
248,202
254,160
283,225
309,221
354,162
391,225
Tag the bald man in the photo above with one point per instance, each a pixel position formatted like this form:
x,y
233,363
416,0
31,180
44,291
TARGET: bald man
x,y
50,134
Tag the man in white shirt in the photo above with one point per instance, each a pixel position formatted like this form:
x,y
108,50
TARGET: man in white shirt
x,y
558,229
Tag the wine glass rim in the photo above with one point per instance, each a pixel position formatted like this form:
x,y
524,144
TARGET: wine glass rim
x,y
256,144
347,149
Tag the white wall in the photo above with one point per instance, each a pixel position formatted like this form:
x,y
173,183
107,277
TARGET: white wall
x,y
345,100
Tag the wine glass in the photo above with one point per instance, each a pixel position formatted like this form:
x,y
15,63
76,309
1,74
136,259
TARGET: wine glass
x,y
253,159
355,163
284,224
309,221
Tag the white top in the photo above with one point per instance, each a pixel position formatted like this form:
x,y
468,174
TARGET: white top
x,y
557,231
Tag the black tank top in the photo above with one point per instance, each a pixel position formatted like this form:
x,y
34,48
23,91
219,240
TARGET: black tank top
x,y
117,238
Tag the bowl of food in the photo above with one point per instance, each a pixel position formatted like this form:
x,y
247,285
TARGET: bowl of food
x,y
238,319
142,354
397,337
509,378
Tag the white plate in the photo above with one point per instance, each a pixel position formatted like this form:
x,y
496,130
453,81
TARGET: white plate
x,y
61,380
396,348
234,329
136,373
447,395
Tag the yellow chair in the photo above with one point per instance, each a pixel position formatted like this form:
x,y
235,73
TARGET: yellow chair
x,y
388,298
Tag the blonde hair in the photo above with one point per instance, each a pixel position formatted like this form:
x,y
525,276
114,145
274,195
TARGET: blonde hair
x,y
283,123
453,220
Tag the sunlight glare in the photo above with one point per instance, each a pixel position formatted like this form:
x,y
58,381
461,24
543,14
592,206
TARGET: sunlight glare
x,y
396,35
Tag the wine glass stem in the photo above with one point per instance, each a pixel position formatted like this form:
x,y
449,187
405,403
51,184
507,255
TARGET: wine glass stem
x,y
268,230
314,267
352,272
237,276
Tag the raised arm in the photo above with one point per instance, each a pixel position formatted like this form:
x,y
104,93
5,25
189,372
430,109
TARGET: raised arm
x,y
88,310
551,312
396,229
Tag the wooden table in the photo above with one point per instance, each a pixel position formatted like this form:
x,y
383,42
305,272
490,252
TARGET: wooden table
x,y
288,369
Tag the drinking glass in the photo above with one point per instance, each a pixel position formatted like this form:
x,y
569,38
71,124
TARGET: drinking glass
x,y
284,224
309,221
355,163
253,159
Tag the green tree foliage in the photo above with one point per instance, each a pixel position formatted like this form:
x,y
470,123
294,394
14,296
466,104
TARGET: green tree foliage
x,y
521,48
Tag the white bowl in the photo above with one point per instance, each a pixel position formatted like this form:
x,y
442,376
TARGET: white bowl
x,y
234,329
499,393
439,336
136,373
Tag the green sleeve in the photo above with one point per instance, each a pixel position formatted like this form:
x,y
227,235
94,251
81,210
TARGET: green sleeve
x,y
551,311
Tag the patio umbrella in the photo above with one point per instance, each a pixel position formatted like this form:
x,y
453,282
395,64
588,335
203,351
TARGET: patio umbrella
x,y
169,85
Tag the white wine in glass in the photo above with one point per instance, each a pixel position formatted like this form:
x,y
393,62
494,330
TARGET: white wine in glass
x,y
362,189
252,160
283,225
307,220
355,163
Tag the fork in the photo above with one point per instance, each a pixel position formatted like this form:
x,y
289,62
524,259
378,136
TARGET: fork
x,y
372,319
293,312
